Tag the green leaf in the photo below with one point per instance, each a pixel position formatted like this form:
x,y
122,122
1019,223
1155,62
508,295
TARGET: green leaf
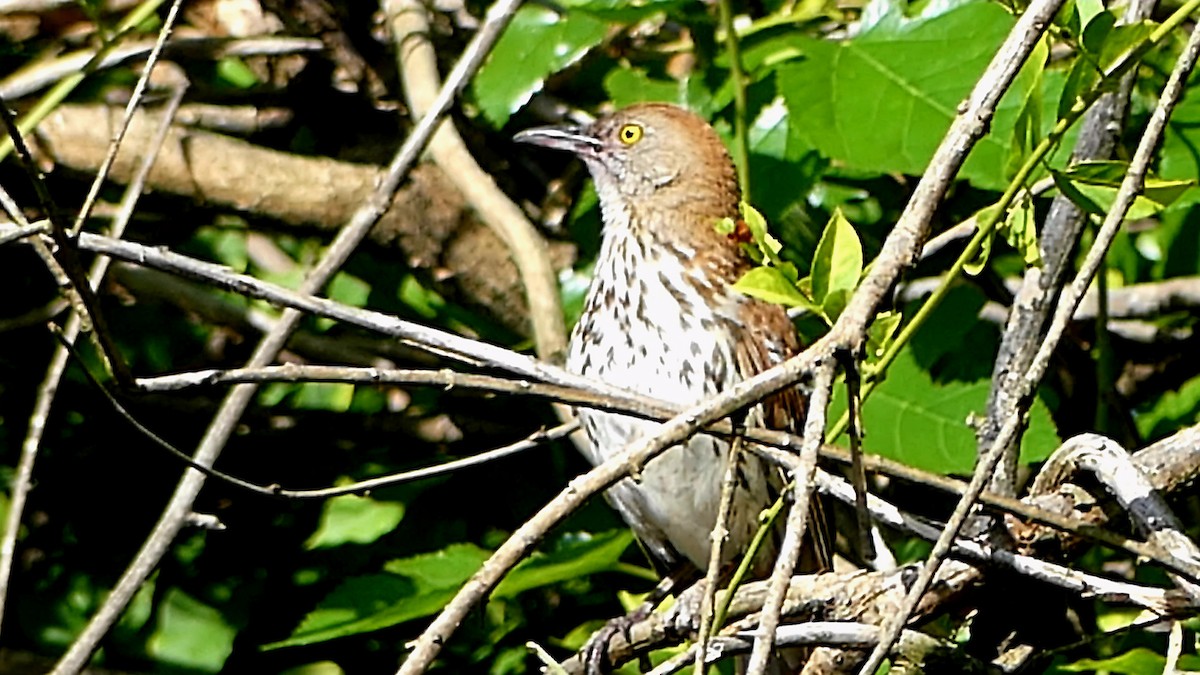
x,y
882,100
421,585
538,43
349,290
1027,131
190,634
626,86
350,519
1093,187
414,587
331,396
914,420
1171,411
234,72
227,244
783,167
881,334
1020,230
981,217
770,284
580,556
838,263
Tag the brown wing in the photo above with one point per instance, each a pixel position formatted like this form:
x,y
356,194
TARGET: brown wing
x,y
769,338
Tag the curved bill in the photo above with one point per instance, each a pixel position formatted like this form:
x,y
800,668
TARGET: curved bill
x,y
560,138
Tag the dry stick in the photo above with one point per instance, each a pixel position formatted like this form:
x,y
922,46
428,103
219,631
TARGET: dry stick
x,y
22,481
418,336
175,516
135,101
793,537
1130,187
44,73
1090,585
866,543
418,64
1062,227
1113,466
27,230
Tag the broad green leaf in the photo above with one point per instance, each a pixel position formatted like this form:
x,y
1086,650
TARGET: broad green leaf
x,y
421,585
413,588
882,101
331,396
538,43
925,424
1122,40
1180,157
190,635
626,86
1020,230
421,300
579,557
1171,411
769,284
350,519
839,259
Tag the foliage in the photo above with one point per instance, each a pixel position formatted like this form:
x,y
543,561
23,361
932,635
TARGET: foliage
x,y
846,105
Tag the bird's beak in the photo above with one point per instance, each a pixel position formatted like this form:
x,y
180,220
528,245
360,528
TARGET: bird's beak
x,y
570,139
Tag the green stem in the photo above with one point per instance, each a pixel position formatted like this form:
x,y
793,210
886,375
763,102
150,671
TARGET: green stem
x,y
768,518
873,374
59,92
737,77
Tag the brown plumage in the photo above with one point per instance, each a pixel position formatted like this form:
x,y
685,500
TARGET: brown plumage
x,y
661,318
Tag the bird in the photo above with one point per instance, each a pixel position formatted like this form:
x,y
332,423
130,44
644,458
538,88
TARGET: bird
x,y
661,317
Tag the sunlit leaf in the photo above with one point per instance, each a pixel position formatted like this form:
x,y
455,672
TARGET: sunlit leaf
x,y
838,263
190,634
538,42
770,284
350,519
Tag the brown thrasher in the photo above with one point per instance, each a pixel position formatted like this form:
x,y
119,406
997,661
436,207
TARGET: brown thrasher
x,y
661,318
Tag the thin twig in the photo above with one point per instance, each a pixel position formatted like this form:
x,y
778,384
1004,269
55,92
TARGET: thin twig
x,y
793,537
135,100
44,73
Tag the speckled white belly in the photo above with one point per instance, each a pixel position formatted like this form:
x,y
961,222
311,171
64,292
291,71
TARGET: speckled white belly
x,y
635,334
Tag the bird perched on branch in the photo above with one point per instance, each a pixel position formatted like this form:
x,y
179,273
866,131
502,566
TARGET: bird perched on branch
x,y
662,318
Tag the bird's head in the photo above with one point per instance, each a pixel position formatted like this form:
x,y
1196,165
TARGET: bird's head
x,y
648,156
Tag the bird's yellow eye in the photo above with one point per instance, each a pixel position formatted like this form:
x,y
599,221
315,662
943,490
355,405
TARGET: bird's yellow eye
x,y
630,134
